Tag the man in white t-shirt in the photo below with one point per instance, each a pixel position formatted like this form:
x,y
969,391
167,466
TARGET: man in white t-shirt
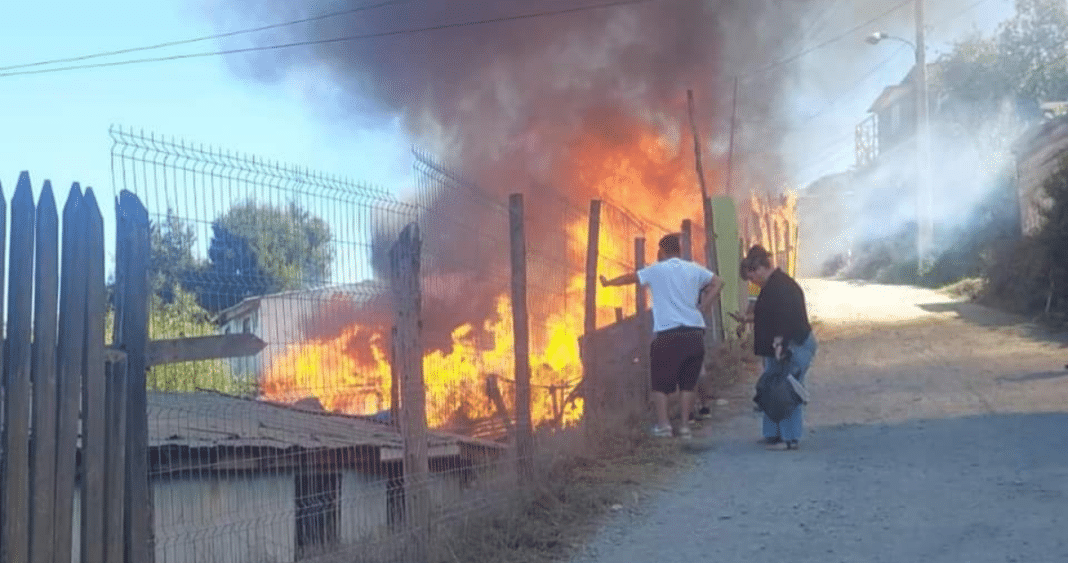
x,y
683,292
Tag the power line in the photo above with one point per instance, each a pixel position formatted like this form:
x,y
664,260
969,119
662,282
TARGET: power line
x,y
206,37
827,42
454,25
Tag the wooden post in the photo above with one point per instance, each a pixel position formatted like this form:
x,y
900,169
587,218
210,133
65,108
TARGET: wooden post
x,y
589,353
644,328
686,239
16,537
71,344
404,261
42,523
94,390
394,385
133,339
710,230
521,332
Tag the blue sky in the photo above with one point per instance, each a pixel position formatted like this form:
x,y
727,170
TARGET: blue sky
x,y
56,125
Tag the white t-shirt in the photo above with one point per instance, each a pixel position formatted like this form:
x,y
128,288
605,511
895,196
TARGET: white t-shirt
x,y
676,286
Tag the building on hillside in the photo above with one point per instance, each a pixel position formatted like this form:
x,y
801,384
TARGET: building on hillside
x,y
246,481
1038,153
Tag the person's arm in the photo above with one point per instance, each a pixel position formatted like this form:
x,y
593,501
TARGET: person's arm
x,y
630,278
748,316
707,299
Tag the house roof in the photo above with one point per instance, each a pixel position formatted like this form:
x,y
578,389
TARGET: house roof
x,y
365,289
215,420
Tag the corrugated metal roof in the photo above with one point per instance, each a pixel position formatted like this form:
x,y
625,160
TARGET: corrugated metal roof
x,y
208,420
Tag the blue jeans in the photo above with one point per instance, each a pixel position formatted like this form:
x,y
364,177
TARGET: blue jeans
x,y
792,427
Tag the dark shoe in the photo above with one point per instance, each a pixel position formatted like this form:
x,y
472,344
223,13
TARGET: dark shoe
x,y
704,413
770,441
793,445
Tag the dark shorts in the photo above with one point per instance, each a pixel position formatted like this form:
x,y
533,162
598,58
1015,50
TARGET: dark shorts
x,y
675,359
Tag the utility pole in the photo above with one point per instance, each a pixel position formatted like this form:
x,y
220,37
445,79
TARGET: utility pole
x,y
924,219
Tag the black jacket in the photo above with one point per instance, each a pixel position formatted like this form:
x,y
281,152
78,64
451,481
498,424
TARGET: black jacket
x,y
779,311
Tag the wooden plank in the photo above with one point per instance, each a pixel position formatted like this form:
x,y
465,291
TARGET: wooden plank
x,y
94,390
521,338
16,538
43,468
69,367
115,486
591,386
686,239
199,348
405,271
644,325
138,513
729,255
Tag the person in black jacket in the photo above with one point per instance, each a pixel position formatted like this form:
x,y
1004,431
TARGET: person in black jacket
x,y
781,332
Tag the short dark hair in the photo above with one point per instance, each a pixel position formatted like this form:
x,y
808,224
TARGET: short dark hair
x,y
755,258
670,244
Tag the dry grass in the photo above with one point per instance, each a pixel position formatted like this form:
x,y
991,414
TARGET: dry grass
x,y
575,488
971,289
582,480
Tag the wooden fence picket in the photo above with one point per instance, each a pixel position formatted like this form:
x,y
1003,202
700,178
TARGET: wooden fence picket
x,y
94,390
69,367
43,468
16,372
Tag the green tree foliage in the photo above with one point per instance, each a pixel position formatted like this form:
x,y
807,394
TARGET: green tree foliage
x,y
257,249
1025,63
172,266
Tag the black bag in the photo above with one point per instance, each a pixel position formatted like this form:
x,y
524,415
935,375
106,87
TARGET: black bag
x,y
775,395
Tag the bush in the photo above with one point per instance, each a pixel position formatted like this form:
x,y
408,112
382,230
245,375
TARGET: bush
x,y
1030,275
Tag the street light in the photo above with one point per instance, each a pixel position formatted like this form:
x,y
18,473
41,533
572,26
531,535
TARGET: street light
x,y
924,220
879,36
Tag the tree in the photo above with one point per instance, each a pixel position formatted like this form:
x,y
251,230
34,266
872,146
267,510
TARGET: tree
x,y
257,249
172,265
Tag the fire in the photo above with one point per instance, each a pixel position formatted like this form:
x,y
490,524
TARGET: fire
x,y
642,170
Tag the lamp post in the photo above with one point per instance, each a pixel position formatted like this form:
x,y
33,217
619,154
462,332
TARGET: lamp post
x,y
924,219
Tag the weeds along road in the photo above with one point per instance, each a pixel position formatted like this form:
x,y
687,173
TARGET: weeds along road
x,y
938,433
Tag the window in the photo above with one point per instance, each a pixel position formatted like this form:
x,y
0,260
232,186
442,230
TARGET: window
x,y
246,325
317,512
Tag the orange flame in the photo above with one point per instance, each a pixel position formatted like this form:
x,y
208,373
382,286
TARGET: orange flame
x,y
648,174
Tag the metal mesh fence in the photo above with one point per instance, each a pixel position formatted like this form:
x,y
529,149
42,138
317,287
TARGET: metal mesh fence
x,y
276,424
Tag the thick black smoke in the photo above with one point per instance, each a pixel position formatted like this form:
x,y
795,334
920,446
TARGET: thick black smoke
x,y
503,103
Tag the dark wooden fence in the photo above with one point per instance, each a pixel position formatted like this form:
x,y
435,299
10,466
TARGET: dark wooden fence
x,y
74,426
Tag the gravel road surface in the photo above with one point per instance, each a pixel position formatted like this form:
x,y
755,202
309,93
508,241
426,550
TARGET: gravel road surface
x,y
938,433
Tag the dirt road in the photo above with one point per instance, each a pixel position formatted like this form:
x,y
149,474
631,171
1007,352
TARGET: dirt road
x,y
938,433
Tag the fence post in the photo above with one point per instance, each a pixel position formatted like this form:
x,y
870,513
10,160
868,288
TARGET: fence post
x,y
94,409
16,538
521,333
42,542
133,338
589,353
644,329
686,239
405,261
71,343
394,385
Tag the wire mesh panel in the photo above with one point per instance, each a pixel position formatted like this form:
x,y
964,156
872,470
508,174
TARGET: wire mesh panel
x,y
271,435
281,350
